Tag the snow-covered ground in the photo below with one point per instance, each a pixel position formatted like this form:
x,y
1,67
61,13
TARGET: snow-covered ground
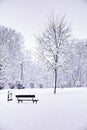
x,y
66,110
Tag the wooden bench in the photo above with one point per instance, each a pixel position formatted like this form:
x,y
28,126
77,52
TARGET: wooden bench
x,y
21,98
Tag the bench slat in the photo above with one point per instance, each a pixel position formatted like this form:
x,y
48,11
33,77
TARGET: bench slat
x,y
24,96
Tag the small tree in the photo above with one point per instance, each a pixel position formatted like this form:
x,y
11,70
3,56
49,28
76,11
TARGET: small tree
x,y
51,44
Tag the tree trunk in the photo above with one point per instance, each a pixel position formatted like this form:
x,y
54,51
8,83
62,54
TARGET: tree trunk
x,y
21,71
55,80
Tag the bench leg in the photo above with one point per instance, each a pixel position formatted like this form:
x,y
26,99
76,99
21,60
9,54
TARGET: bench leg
x,y
19,101
34,101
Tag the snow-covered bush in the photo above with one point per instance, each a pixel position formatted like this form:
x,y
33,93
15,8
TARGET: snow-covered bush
x,y
2,85
19,85
78,84
41,85
11,85
63,84
31,85
85,84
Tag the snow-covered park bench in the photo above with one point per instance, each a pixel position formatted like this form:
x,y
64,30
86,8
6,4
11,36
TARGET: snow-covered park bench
x,y
21,98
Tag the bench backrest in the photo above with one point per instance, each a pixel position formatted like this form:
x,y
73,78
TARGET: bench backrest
x,y
25,96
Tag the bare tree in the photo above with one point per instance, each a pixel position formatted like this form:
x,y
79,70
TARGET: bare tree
x,y
51,44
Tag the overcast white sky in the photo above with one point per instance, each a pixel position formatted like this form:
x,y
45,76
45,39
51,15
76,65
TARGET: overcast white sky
x,y
29,16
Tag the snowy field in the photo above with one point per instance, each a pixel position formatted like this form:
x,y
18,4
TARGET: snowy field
x,y
66,110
